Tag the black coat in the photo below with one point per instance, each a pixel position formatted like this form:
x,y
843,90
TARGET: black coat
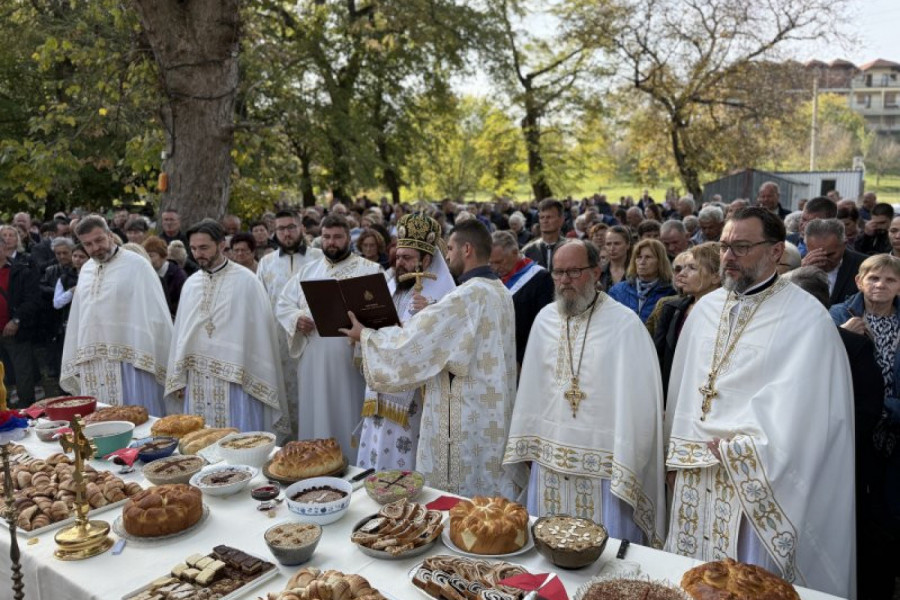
x,y
23,298
668,328
845,284
528,302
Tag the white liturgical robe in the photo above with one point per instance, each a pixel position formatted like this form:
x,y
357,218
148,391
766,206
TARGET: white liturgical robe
x,y
614,438
389,438
783,409
225,352
470,334
274,271
117,342
330,395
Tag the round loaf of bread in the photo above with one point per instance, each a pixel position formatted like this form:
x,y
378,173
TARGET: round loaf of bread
x,y
162,510
730,580
307,458
489,525
177,425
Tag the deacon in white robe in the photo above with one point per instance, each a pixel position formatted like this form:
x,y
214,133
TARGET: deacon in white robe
x,y
224,362
588,413
389,437
274,271
330,397
117,342
759,422
469,335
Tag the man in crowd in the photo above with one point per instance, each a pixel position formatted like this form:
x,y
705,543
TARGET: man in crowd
x,y
580,397
330,387
550,220
747,476
231,224
874,238
674,237
274,271
462,349
171,227
119,330
223,363
685,207
826,250
633,217
712,220
735,206
769,197
529,283
120,219
22,221
20,318
817,208
389,438
869,200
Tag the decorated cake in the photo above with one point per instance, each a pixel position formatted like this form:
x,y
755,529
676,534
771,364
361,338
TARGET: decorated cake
x,y
730,580
489,525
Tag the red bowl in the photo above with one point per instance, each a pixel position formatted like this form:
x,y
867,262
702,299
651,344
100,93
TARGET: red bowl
x,y
65,408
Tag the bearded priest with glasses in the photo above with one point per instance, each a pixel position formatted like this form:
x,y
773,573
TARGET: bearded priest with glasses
x,y
587,420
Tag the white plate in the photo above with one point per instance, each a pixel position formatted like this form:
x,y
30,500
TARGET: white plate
x,y
273,572
118,528
68,521
445,537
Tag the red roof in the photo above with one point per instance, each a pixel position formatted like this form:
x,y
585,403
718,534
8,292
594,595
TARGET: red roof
x,y
880,63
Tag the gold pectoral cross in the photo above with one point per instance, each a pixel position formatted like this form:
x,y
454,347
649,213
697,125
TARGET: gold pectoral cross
x,y
574,395
418,275
708,392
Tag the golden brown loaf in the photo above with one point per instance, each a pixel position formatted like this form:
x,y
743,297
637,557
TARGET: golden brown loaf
x,y
307,458
134,414
731,580
162,510
489,525
195,441
177,425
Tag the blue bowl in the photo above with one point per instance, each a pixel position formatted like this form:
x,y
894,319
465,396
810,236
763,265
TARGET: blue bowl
x,y
159,447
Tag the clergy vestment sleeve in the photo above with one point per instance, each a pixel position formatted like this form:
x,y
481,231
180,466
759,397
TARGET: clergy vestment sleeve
x,y
291,306
441,336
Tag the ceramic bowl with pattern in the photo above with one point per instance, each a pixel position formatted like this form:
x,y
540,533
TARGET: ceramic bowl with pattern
x,y
223,480
323,510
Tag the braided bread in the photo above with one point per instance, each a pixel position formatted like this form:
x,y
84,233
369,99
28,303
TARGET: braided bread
x,y
489,525
307,458
311,583
731,580
162,510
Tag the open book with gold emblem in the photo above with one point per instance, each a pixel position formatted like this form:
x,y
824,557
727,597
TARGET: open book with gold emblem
x,y
367,297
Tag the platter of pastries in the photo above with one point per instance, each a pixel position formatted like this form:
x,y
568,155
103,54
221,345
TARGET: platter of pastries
x,y
44,492
731,580
399,530
444,577
305,459
222,574
489,527
310,583
132,413
161,513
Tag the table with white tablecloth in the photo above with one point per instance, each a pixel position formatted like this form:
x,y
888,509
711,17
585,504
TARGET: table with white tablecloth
x,y
236,522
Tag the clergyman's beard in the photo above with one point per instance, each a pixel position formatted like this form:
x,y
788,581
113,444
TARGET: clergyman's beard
x,y
570,307
336,255
746,279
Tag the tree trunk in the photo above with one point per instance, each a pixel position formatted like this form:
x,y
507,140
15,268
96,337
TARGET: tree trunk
x,y
688,174
531,129
306,187
196,47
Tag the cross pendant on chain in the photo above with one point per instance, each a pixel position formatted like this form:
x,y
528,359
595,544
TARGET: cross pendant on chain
x,y
574,395
708,392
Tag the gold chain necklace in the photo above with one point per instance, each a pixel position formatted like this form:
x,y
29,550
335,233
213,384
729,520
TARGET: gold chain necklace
x,y
574,394
708,390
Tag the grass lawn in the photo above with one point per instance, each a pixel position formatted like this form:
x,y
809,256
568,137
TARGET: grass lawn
x,y
888,188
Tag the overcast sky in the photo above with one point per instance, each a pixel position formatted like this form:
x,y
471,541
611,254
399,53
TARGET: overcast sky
x,y
877,24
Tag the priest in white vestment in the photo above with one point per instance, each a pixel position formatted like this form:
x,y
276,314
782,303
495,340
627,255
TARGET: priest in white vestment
x,y
330,395
117,342
463,350
274,271
759,422
224,362
389,437
588,413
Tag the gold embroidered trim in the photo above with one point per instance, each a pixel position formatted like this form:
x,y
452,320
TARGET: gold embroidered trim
x,y
114,352
375,407
232,373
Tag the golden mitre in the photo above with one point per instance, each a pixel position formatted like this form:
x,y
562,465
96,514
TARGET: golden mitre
x,y
418,231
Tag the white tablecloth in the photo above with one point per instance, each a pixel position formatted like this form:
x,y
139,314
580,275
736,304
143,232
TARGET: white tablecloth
x,y
236,522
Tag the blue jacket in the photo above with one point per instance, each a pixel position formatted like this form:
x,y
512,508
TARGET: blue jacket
x,y
626,293
855,306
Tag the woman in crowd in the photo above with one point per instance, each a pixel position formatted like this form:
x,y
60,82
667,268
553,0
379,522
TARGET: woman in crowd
x,y
618,252
677,265
243,250
597,235
649,278
264,241
653,212
371,247
697,276
170,273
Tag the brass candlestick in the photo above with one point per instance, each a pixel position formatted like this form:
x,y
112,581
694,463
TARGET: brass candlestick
x,y
84,538
14,554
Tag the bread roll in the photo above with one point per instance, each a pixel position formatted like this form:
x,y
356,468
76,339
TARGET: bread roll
x,y
489,525
162,510
731,580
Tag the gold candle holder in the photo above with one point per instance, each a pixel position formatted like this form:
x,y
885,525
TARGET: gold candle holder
x,y
84,538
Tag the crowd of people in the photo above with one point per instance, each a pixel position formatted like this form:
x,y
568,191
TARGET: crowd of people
x,y
709,379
